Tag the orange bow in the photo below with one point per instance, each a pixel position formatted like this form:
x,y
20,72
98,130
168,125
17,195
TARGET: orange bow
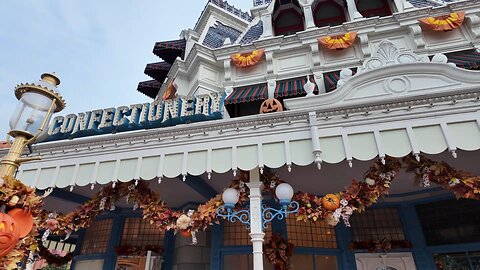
x,y
338,42
249,59
445,22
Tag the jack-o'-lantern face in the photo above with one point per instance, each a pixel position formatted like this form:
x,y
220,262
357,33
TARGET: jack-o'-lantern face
x,y
9,234
271,105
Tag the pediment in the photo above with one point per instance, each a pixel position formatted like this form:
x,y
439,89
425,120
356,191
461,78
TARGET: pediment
x,y
393,76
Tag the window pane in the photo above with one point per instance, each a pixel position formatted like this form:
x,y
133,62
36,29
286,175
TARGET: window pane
x,y
138,232
450,221
303,262
97,237
237,234
236,261
310,234
376,225
325,262
452,261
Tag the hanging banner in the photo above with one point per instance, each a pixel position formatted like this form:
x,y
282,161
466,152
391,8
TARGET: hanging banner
x,y
243,60
444,23
338,42
160,113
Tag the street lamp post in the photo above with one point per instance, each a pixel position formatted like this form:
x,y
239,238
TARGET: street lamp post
x,y
258,215
29,122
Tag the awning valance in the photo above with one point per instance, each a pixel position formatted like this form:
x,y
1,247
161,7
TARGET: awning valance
x,y
465,59
291,87
247,94
170,50
149,88
248,152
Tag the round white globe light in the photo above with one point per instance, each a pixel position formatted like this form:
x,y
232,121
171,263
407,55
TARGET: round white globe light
x,y
284,192
230,196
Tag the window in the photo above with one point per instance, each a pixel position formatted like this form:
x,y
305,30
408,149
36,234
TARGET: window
x,y
287,17
138,232
97,237
450,221
328,12
314,262
309,234
463,260
376,225
371,8
243,262
237,234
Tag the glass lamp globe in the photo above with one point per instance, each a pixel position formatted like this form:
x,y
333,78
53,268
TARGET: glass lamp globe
x,y
230,197
32,111
284,193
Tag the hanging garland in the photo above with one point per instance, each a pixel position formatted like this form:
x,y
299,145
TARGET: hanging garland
x,y
332,207
380,246
278,251
23,206
462,184
444,23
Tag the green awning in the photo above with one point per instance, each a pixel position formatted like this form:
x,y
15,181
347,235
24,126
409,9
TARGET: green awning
x,y
247,94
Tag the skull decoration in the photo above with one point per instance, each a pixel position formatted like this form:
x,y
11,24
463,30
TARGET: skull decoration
x,y
271,105
9,234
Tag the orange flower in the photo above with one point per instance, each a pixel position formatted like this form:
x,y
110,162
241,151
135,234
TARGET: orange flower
x,y
445,22
338,42
248,59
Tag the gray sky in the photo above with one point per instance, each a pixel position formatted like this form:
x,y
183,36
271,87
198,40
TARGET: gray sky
x,y
99,49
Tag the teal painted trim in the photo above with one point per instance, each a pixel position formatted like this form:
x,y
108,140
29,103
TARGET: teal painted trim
x,y
115,237
346,260
215,256
454,248
414,233
169,250
78,248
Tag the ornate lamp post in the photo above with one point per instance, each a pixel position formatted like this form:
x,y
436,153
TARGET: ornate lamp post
x,y
29,122
250,216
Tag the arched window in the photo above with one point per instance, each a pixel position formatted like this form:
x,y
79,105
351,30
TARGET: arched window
x,y
328,12
287,17
371,8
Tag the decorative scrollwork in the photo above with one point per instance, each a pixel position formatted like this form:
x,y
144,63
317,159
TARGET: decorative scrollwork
x,y
242,215
269,214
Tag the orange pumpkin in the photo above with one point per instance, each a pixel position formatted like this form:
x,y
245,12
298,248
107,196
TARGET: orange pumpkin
x,y
24,220
9,234
331,202
271,105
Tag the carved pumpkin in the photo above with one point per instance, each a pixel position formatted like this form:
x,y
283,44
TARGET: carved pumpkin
x,y
331,202
271,105
24,220
9,234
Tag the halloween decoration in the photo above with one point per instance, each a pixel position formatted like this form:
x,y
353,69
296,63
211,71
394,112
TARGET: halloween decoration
x,y
444,23
271,105
331,202
243,60
23,219
338,42
9,234
278,251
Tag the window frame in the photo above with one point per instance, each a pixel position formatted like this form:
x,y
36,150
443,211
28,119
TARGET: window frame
x,y
321,22
387,8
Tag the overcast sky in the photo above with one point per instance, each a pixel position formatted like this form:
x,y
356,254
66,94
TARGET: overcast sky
x,y
99,49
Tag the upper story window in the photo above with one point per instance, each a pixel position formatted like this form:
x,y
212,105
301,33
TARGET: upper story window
x,y
450,222
237,234
97,237
328,13
287,17
372,8
310,235
138,232
377,224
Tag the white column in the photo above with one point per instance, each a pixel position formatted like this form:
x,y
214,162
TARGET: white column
x,y
307,13
256,230
267,25
352,10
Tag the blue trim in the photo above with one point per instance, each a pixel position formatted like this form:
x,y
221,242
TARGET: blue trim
x,y
346,260
78,248
115,237
169,249
200,186
215,255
